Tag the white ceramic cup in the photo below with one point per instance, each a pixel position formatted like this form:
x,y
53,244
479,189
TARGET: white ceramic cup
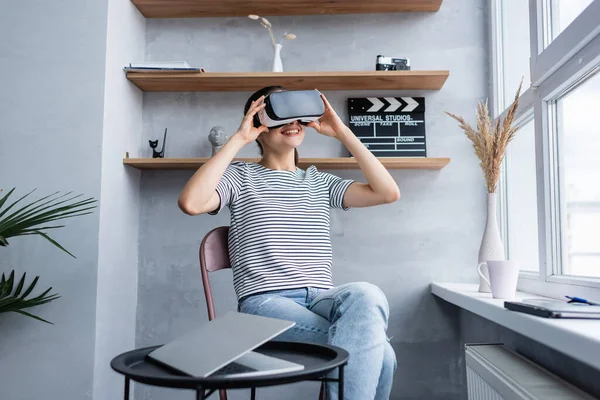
x,y
503,277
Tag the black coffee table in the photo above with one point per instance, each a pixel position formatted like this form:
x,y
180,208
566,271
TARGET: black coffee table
x,y
318,361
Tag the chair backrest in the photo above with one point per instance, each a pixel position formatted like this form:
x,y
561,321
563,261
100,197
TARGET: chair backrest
x,y
214,255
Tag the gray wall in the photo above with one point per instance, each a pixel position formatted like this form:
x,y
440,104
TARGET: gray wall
x,y
432,233
475,329
119,213
52,60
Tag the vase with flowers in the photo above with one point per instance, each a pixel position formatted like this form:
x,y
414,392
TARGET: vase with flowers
x,y
276,65
489,143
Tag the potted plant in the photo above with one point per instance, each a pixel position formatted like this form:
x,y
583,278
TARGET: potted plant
x,y
489,143
34,218
277,65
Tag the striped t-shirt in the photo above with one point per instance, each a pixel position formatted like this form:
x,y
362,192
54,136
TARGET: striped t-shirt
x,y
279,230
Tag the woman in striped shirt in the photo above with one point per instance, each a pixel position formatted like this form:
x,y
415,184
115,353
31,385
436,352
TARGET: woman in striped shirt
x,y
279,240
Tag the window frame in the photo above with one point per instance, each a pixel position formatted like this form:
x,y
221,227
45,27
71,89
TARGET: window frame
x,y
550,92
553,73
546,61
525,116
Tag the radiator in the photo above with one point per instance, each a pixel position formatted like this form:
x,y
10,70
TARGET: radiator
x,y
496,373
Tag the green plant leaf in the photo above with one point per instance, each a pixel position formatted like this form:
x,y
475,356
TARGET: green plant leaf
x,y
54,242
37,220
3,199
34,316
6,302
24,213
13,303
50,206
30,205
11,280
28,304
13,204
5,288
13,229
34,218
59,211
42,228
32,303
20,285
23,219
30,288
41,296
18,303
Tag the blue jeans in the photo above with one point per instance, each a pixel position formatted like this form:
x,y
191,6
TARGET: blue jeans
x,y
352,316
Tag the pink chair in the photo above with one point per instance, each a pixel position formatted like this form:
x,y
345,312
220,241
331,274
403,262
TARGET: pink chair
x,y
214,256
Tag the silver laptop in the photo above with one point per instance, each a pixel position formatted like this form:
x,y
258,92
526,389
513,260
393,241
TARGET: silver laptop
x,y
212,349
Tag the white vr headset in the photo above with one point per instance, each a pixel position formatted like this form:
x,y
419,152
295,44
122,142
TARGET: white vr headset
x,y
284,107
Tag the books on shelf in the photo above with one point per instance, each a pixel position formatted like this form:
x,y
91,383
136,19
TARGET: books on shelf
x,y
161,66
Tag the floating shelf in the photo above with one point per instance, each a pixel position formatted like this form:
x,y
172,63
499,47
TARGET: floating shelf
x,y
251,81
241,8
320,163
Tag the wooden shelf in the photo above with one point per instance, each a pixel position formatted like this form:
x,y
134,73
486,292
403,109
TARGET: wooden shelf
x,y
241,8
251,81
320,163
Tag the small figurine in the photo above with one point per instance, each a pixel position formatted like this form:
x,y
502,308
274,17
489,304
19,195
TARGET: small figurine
x,y
217,138
154,145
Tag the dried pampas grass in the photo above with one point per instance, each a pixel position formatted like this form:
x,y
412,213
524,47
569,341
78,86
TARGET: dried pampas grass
x,y
267,25
490,140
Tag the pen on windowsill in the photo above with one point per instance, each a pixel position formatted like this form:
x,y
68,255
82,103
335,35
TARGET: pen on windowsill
x,y
580,300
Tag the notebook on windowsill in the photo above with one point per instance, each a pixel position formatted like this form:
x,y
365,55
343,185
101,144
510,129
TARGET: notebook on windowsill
x,y
554,309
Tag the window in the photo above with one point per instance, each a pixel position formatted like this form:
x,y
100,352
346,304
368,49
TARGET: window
x,y
560,14
578,129
514,49
521,198
550,187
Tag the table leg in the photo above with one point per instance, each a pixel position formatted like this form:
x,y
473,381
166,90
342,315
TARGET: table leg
x,y
253,393
199,394
341,383
126,394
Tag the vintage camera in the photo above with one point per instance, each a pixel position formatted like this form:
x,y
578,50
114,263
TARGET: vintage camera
x,y
392,64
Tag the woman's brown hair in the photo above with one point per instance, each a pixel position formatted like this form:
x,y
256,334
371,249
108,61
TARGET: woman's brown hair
x,y
256,95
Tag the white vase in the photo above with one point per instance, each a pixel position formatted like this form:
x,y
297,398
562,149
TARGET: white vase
x,y
277,65
491,243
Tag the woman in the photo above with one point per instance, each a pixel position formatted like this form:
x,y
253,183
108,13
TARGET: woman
x,y
279,241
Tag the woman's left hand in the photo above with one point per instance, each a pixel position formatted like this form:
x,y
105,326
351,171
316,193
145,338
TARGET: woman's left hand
x,y
330,124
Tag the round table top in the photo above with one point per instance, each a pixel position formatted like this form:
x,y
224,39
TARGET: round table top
x,y
317,359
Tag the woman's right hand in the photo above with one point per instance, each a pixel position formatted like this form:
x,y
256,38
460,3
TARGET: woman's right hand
x,y
247,132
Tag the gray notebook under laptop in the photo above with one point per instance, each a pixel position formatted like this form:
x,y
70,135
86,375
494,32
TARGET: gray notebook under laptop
x,y
554,309
224,347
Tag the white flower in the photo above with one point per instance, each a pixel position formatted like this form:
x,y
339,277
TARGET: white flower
x,y
254,17
289,36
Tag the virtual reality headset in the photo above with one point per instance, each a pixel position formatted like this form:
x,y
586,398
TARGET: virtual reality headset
x,y
284,107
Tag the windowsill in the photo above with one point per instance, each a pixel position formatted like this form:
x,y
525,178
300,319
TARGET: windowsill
x,y
579,339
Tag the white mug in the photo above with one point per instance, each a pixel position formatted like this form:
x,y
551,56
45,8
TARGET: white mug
x,y
503,278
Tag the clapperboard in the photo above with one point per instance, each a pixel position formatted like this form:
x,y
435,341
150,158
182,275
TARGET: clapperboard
x,y
389,126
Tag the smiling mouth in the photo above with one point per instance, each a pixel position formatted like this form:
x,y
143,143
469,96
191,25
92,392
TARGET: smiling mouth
x,y
290,132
